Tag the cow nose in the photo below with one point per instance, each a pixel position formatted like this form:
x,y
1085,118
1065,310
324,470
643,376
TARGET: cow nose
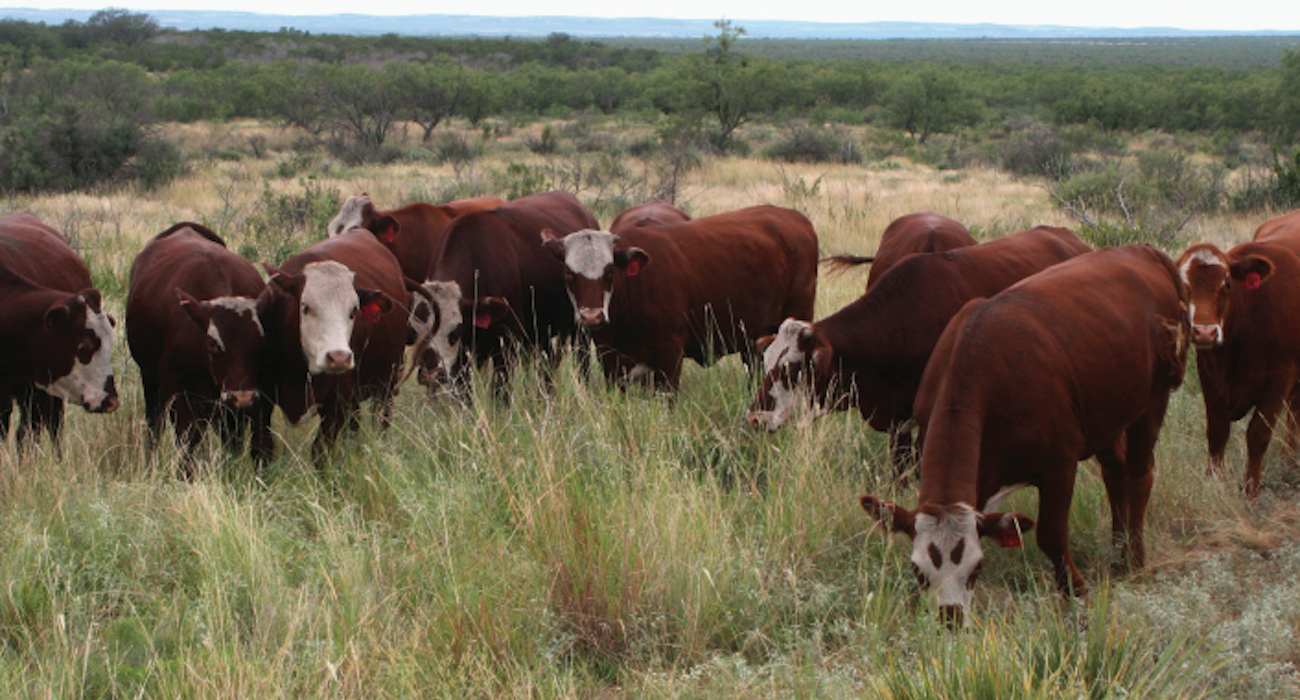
x,y
108,405
951,616
752,419
338,361
591,317
431,376
241,399
1204,335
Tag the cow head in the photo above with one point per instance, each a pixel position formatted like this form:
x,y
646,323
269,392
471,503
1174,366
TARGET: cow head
x,y
233,330
592,262
438,323
946,552
359,212
796,375
1210,276
79,353
328,306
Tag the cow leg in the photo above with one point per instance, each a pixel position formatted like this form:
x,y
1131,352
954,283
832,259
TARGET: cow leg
x,y
1054,527
1218,424
1293,424
229,423
902,451
335,412
261,445
38,411
1113,470
1139,476
6,410
154,409
187,424
1258,435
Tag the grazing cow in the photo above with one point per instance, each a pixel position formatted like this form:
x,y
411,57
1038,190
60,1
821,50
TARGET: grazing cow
x,y
923,232
1244,307
652,296
660,212
872,352
333,338
42,374
196,333
413,232
1075,361
492,271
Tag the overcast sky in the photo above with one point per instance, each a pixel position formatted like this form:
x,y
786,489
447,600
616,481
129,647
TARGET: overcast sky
x,y
1183,14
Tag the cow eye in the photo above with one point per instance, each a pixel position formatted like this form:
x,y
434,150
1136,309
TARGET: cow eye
x,y
454,336
213,347
353,313
85,345
921,580
974,574
306,310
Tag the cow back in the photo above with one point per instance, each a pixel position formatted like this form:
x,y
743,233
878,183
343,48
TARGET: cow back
x,y
923,232
1283,230
657,213
41,254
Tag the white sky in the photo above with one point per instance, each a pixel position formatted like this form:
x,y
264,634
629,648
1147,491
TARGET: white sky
x,y
1183,14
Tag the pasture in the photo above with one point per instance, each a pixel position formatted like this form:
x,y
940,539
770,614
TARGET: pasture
x,y
593,543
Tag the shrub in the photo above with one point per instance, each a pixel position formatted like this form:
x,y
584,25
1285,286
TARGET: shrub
x,y
1036,152
803,144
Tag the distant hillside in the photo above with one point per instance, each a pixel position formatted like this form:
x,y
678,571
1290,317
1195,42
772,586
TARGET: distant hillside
x,y
461,25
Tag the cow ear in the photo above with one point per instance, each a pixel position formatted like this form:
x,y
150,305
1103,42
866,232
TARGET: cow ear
x,y
286,281
1173,334
764,343
807,339
200,311
1003,528
93,298
553,244
62,314
489,311
631,260
894,517
821,358
386,229
1251,271
374,304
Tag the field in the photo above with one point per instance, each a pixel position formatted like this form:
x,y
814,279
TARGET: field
x,y
589,542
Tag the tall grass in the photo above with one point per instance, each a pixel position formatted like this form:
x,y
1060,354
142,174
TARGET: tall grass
x,y
583,541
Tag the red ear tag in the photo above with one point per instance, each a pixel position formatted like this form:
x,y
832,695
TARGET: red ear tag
x,y
1010,538
370,312
633,268
1252,280
390,235
482,320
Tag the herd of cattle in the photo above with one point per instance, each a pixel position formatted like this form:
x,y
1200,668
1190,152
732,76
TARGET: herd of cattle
x,y
1014,359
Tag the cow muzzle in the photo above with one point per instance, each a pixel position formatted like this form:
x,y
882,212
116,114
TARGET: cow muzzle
x,y
338,361
592,318
239,399
108,402
1206,336
764,420
952,615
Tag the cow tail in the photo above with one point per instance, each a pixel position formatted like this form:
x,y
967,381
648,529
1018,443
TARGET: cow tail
x,y
840,263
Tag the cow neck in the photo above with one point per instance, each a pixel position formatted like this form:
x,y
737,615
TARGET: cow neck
x,y
865,339
25,307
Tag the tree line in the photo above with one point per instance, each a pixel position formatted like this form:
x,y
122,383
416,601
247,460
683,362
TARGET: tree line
x,y
76,99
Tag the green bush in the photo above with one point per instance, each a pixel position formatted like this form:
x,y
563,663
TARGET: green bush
x,y
803,144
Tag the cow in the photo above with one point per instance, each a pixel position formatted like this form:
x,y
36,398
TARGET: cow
x,y
652,296
492,272
659,212
411,233
196,332
922,232
41,373
1075,361
335,332
871,353
1244,307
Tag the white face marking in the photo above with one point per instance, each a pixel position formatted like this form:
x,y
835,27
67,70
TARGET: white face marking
x,y
787,401
241,306
215,335
446,341
997,498
589,253
349,216
88,383
328,306
953,532
1205,256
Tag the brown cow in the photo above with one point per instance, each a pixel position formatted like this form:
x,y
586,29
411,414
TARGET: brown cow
x,y
411,233
652,296
1244,307
492,271
196,333
1076,361
660,212
922,232
36,257
872,352
335,331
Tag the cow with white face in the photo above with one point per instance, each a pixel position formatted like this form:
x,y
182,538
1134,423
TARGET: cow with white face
x,y
946,554
797,376
41,256
591,261
438,322
1244,307
333,336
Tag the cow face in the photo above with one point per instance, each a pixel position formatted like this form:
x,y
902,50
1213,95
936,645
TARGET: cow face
x,y
946,553
359,212
1210,277
592,262
438,322
796,374
82,342
328,306
233,331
